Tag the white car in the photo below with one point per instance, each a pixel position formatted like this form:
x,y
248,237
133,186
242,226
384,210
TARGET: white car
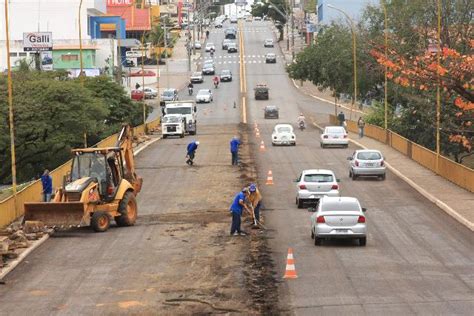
x,y
210,46
197,45
313,184
197,77
268,43
334,136
204,96
283,134
339,217
366,162
150,93
257,18
172,125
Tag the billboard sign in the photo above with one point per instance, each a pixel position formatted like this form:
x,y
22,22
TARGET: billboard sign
x,y
37,41
119,3
310,28
47,60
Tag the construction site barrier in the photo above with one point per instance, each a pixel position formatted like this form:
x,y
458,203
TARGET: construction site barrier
x,y
11,208
455,172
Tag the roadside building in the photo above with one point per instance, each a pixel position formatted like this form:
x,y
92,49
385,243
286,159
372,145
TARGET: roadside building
x,y
354,8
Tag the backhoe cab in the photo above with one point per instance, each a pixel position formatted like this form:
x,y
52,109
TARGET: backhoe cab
x,y
102,185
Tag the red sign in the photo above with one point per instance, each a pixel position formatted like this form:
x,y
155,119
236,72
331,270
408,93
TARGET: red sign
x,y
119,3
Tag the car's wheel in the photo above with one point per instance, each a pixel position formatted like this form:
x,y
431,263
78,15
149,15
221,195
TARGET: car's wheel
x,y
317,241
164,136
354,176
382,177
300,203
350,173
182,135
363,241
322,145
312,234
128,210
100,221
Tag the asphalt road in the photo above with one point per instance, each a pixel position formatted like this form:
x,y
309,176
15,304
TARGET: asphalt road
x,y
417,260
178,258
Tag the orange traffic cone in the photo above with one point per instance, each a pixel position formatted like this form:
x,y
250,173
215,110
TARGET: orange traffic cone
x,y
290,271
269,178
262,146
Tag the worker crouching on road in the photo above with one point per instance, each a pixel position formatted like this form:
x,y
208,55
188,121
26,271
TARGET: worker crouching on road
x,y
191,152
256,199
238,205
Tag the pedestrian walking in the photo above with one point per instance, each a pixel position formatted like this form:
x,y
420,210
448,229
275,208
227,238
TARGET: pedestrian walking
x,y
207,34
191,152
47,183
234,150
236,208
341,118
361,125
255,198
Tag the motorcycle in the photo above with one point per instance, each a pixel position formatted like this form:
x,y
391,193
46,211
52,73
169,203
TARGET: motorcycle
x,y
190,91
302,125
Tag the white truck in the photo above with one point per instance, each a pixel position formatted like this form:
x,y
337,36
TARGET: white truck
x,y
173,125
186,108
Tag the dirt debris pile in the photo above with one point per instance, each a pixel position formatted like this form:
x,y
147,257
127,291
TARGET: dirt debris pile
x,y
16,238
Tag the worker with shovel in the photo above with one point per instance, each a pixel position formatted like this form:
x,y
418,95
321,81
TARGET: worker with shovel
x,y
255,199
238,205
191,152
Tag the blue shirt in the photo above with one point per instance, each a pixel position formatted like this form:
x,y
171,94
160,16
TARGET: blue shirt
x,y
234,145
47,182
236,207
192,147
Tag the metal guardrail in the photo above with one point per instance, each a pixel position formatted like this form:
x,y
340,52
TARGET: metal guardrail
x,y
11,209
450,170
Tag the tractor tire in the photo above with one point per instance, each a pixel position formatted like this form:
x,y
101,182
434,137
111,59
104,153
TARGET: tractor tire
x,y
100,221
128,210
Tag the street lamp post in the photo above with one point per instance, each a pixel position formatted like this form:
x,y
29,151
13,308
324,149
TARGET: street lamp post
x,y
438,88
10,104
81,65
354,54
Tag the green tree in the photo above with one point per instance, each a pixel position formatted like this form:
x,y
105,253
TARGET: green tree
x,y
267,9
50,118
329,64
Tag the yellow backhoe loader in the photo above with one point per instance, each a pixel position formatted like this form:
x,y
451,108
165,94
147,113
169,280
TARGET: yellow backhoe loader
x,y
102,185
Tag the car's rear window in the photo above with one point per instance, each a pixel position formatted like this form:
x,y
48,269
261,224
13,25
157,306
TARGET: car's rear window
x,y
372,155
334,206
335,130
318,178
284,129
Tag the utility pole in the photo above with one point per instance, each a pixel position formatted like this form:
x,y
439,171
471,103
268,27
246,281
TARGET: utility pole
x,y
166,57
188,37
292,31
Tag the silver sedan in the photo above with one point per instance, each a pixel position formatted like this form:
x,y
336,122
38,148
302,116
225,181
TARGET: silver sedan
x,y
339,217
334,136
313,184
204,95
366,162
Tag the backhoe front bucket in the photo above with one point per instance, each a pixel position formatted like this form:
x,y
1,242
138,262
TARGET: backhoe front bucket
x,y
55,214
